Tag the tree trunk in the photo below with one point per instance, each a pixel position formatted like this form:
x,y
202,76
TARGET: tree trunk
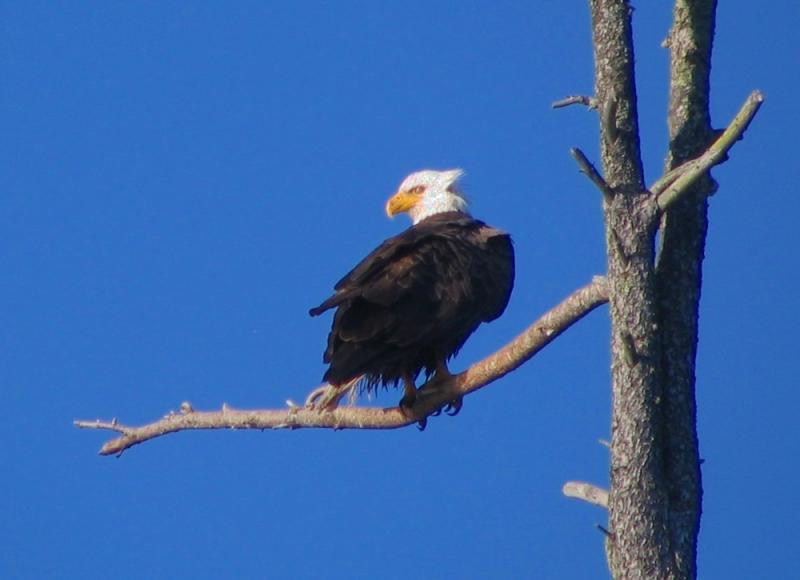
x,y
679,272
654,503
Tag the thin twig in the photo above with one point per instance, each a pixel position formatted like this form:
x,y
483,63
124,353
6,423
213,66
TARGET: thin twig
x,y
677,182
587,492
605,531
496,365
584,100
591,172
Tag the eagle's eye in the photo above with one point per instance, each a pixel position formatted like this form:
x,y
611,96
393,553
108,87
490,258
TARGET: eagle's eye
x,y
416,190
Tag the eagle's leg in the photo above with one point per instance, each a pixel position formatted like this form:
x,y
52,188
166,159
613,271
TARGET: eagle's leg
x,y
409,398
442,372
409,393
442,375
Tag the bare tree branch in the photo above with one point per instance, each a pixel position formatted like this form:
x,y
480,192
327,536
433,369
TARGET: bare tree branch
x,y
591,172
587,492
515,353
584,100
677,182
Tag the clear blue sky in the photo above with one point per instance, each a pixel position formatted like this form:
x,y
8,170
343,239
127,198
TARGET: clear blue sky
x,y
181,181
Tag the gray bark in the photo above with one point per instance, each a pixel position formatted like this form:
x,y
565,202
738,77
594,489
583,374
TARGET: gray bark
x,y
679,272
638,545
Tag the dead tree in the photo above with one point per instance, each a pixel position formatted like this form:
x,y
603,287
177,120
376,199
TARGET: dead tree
x,y
655,498
654,502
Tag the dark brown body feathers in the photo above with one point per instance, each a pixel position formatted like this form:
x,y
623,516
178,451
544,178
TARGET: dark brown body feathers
x,y
416,299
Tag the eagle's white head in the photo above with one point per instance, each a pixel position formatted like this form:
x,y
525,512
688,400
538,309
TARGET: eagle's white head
x,y
428,192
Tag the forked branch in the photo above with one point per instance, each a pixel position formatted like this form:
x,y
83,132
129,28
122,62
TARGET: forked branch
x,y
515,353
672,186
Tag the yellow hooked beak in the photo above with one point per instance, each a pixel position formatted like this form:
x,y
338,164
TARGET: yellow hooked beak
x,y
402,201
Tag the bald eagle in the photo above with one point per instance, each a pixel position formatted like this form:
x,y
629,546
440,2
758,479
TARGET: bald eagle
x,y
411,304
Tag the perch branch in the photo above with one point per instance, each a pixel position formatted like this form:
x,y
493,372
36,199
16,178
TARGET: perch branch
x,y
586,492
672,186
496,365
